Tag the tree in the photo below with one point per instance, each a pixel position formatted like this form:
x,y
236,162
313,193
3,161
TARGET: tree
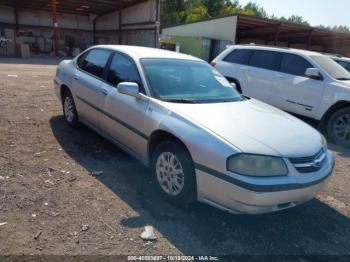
x,y
296,19
336,28
254,8
341,29
229,9
214,7
179,11
198,13
172,12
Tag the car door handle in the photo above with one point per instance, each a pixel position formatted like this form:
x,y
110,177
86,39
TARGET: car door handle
x,y
104,91
244,68
75,77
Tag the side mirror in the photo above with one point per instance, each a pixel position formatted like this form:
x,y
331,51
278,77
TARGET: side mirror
x,y
129,88
313,73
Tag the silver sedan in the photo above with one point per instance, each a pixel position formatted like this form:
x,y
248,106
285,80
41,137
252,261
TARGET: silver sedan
x,y
202,139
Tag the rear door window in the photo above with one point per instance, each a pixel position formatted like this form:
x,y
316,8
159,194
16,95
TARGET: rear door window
x,y
294,65
94,62
266,59
239,56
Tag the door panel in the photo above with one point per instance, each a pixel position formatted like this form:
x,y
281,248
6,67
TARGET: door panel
x,y
294,92
87,83
87,89
309,93
259,76
124,118
257,83
284,92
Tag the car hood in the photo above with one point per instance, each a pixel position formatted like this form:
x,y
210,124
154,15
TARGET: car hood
x,y
254,127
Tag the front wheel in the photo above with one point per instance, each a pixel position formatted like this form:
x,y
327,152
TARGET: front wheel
x,y
338,127
173,173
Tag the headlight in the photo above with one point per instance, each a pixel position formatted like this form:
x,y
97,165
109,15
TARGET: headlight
x,y
257,165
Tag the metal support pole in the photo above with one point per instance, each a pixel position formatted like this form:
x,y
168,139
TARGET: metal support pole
x,y
94,30
120,29
157,24
55,27
16,28
277,33
308,45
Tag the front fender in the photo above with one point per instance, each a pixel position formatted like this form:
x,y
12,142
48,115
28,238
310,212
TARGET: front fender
x,y
334,93
205,147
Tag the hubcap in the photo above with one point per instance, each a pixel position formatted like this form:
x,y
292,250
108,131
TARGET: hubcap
x,y
170,173
69,109
341,127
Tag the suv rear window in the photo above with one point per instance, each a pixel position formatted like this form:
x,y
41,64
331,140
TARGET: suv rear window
x,y
239,56
344,64
294,65
266,59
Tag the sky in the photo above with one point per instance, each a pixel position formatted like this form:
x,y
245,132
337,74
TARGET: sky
x,y
316,12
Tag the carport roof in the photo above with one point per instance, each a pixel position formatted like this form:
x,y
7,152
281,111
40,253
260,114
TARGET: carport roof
x,y
253,27
83,7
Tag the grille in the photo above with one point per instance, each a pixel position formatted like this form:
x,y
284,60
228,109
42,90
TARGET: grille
x,y
309,164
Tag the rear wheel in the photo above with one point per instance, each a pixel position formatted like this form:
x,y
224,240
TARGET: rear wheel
x,y
338,127
69,110
173,173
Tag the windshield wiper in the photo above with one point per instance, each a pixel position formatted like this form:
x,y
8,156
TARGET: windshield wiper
x,y
181,100
343,78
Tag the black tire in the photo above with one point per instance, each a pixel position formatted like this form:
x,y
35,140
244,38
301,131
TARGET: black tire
x,y
334,120
188,193
73,120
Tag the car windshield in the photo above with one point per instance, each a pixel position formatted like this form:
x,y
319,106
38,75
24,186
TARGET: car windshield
x,y
331,67
185,81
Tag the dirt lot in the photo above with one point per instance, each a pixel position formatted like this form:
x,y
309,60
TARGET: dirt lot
x,y
52,205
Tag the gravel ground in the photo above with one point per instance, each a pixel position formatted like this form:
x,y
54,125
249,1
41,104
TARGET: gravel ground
x,y
51,203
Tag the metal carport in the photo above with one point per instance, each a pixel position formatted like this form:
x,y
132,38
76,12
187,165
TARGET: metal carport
x,y
280,33
104,21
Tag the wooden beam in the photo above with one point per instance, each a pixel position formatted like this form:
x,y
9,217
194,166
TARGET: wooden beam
x,y
277,33
257,30
308,45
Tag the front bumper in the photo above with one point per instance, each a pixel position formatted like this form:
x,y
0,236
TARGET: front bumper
x,y
257,198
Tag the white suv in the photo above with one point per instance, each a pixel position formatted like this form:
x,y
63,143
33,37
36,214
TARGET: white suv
x,y
298,81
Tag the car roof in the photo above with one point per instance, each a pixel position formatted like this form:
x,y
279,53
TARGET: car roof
x,y
276,48
138,52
